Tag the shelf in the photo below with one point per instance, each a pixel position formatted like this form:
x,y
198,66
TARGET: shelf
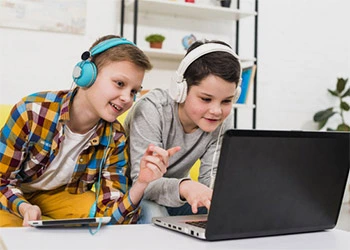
x,y
179,55
242,105
164,54
192,10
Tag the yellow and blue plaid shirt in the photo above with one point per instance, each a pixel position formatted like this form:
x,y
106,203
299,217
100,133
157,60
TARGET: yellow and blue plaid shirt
x,y
30,140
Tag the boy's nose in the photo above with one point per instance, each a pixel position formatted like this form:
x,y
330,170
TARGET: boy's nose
x,y
215,109
125,96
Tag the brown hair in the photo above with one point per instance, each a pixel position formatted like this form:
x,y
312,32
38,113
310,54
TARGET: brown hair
x,y
123,52
221,64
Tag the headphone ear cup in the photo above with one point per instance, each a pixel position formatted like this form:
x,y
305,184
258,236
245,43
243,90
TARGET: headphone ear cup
x,y
237,93
178,90
183,91
84,74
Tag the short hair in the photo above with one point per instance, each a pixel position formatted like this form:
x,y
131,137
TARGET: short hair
x,y
123,52
218,63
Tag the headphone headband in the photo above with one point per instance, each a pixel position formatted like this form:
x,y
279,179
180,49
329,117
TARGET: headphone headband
x,y
107,44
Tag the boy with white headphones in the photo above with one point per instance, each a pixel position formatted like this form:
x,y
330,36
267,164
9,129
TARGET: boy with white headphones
x,y
190,114
56,145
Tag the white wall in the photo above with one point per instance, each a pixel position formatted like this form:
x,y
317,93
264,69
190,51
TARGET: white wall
x,y
31,61
303,47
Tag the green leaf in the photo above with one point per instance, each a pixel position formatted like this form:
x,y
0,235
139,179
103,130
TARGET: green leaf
x,y
322,123
323,115
341,84
344,106
333,92
343,127
155,38
347,93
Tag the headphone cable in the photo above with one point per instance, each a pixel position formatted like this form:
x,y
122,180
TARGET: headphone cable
x,y
212,177
92,212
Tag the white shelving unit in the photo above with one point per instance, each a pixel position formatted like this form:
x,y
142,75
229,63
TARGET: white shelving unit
x,y
195,11
179,55
182,9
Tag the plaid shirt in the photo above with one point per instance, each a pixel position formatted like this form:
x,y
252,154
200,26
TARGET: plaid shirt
x,y
30,140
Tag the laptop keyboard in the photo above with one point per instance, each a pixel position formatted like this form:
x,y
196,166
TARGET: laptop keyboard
x,y
202,224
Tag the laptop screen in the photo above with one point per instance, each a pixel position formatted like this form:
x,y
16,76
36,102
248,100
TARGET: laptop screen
x,y
278,182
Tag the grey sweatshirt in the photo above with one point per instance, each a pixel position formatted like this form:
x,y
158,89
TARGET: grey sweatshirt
x,y
154,119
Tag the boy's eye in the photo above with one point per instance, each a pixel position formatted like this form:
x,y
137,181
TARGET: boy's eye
x,y
134,92
227,101
206,99
120,84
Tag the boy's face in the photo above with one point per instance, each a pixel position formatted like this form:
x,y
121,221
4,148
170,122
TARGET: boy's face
x,y
207,104
113,91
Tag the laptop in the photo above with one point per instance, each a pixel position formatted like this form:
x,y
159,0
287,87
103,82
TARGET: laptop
x,y
272,183
71,222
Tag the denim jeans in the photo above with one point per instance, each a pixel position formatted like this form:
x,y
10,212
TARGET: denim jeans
x,y
150,209
185,210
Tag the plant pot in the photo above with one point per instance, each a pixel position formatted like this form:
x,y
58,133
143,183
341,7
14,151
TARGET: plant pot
x,y
156,45
225,3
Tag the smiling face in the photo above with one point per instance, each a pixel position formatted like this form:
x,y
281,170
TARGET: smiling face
x,y
207,104
113,91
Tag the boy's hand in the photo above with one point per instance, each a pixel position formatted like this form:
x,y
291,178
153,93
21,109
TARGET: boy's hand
x,y
196,194
29,212
154,163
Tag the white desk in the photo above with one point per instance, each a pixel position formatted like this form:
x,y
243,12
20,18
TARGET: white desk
x,y
152,237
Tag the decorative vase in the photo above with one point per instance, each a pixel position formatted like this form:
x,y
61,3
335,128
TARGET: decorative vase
x,y
156,45
188,40
225,3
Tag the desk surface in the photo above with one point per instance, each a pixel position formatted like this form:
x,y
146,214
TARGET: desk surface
x,y
152,237
344,218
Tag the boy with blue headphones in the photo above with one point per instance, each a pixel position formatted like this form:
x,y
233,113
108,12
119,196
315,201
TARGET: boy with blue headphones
x,y
56,145
193,113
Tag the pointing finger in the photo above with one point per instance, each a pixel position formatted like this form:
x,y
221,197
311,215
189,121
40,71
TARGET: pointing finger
x,y
174,150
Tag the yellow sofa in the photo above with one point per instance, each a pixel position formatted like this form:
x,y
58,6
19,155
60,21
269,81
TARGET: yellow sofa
x,y
5,111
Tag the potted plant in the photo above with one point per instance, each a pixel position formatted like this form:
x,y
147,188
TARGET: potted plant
x,y
322,117
155,40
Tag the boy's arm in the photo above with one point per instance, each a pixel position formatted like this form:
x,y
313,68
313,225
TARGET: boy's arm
x,y
114,199
124,204
145,127
12,140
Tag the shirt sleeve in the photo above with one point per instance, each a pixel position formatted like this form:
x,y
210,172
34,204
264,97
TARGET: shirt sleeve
x,y
144,124
114,199
12,151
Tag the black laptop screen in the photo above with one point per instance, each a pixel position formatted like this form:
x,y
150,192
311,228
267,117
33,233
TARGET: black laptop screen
x,y
278,182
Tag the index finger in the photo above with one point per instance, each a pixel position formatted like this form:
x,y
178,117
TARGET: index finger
x,y
174,150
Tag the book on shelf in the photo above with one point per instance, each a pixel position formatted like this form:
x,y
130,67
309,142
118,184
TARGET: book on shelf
x,y
248,74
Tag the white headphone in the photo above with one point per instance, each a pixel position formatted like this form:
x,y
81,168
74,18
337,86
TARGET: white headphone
x,y
178,86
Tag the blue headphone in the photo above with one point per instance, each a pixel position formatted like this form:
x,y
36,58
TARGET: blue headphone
x,y
85,71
